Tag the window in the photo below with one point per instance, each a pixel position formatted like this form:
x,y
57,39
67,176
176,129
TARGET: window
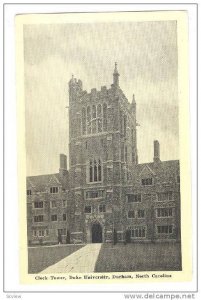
x,y
99,118
53,218
138,232
38,218
64,217
95,170
87,209
88,119
165,196
165,229
53,204
99,170
62,231
102,208
126,154
134,198
38,204
94,194
91,171
122,152
28,192
64,203
54,190
125,125
83,121
93,119
147,181
41,233
164,212
141,213
104,117
131,214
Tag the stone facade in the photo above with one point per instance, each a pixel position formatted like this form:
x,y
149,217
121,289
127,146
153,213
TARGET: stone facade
x,y
108,193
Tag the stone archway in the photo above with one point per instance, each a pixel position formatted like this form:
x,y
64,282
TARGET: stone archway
x,y
96,233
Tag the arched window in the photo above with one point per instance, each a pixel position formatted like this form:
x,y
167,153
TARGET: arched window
x,y
88,119
95,170
93,119
104,117
83,121
99,118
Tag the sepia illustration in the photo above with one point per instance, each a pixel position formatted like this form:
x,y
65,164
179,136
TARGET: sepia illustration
x,y
102,147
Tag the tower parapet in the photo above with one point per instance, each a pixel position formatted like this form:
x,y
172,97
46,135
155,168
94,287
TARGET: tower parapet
x,y
75,88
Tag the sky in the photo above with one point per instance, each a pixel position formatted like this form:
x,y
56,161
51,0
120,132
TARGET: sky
x,y
146,53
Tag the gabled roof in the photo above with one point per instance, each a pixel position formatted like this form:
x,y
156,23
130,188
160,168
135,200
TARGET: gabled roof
x,y
41,182
164,170
146,169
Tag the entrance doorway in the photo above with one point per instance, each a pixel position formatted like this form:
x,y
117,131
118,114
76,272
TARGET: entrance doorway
x,y
96,233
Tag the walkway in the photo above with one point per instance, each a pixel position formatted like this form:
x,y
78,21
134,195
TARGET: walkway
x,y
81,261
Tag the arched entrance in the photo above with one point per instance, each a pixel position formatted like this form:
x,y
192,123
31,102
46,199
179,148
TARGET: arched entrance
x,y
96,233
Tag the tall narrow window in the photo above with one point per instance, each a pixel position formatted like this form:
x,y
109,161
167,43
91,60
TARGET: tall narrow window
x,y
83,121
88,119
95,171
99,118
54,190
126,154
125,125
104,117
121,123
91,171
28,192
99,171
93,119
122,152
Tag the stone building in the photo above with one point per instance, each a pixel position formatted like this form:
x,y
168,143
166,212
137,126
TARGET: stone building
x,y
47,197
107,192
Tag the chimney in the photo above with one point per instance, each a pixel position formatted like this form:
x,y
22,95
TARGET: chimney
x,y
63,165
156,152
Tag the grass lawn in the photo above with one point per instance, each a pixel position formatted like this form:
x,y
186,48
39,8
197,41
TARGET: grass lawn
x,y
42,257
139,257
